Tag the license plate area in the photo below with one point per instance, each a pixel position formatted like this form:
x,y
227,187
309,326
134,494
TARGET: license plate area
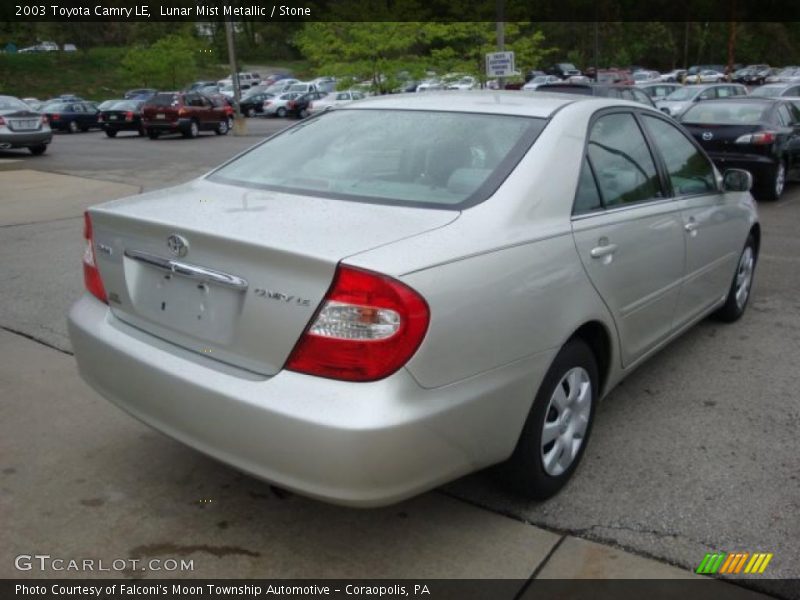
x,y
23,125
112,117
201,309
161,116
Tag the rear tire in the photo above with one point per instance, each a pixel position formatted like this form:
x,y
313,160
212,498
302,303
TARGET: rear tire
x,y
72,127
281,112
222,128
38,150
251,112
557,429
193,130
741,286
111,133
152,134
772,187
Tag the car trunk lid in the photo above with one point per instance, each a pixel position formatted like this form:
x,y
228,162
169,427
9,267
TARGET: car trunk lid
x,y
255,267
722,138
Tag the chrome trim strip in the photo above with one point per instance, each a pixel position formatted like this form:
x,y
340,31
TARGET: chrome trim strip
x,y
187,270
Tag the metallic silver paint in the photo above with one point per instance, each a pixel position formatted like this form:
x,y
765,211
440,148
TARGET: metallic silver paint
x,y
508,282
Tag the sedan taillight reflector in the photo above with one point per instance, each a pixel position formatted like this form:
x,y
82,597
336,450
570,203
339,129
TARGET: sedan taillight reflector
x,y
757,139
91,275
129,116
368,326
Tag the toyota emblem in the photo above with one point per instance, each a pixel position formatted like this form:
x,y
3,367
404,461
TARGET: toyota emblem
x,y
177,245
708,135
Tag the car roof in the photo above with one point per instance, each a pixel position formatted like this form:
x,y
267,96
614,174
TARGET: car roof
x,y
762,99
476,101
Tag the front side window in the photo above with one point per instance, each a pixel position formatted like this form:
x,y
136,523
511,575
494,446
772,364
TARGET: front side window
x,y
431,159
622,161
690,172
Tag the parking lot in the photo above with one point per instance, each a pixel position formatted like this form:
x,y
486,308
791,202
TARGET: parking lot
x,y
694,453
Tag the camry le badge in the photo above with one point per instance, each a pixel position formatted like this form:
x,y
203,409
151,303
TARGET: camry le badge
x,y
708,135
178,245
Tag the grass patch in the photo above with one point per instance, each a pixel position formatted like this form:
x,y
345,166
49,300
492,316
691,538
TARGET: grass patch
x,y
94,74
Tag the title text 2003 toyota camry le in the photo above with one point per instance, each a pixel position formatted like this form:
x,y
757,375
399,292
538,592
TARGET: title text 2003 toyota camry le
x,y
391,295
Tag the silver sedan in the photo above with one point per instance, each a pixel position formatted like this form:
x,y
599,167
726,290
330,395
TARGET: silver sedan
x,y
23,127
401,291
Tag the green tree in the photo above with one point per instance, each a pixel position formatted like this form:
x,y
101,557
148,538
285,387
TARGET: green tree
x,y
168,63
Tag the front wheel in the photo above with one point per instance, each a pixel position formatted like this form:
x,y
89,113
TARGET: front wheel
x,y
281,112
739,292
557,429
222,128
73,127
251,112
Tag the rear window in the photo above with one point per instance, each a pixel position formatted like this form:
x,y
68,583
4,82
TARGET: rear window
x,y
11,103
767,91
726,113
410,158
125,105
164,100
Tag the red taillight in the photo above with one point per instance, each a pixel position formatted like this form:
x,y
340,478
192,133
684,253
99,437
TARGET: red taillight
x,y
183,112
55,117
44,119
368,326
100,118
2,121
91,275
290,104
129,116
757,139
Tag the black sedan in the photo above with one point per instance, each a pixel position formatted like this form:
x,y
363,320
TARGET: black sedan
x,y
761,135
253,104
298,107
71,116
124,115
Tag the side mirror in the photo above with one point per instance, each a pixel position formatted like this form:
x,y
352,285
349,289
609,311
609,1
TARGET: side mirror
x,y
737,180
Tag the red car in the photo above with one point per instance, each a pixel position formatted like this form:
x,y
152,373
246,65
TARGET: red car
x,y
187,113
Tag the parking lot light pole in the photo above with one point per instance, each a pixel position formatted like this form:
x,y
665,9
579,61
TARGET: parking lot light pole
x,y
239,124
501,37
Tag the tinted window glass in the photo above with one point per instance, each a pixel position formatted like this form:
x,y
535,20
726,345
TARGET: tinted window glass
x,y
641,97
415,157
587,198
725,92
622,161
784,116
727,113
164,100
690,172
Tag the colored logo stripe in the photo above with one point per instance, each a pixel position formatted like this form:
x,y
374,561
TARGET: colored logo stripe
x,y
734,563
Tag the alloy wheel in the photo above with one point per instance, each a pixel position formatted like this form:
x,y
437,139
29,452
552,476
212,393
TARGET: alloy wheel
x,y
744,277
566,421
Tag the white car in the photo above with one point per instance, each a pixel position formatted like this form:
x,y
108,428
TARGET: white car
x,y
335,99
540,80
302,87
674,76
276,107
281,86
642,77
706,76
466,82
429,85
227,90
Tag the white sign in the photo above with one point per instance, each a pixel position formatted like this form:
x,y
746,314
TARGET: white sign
x,y
500,64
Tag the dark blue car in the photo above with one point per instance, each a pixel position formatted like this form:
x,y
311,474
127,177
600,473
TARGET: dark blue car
x,y
71,116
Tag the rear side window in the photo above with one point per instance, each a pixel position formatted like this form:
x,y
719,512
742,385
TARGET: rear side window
x,y
622,161
690,172
784,116
587,198
165,100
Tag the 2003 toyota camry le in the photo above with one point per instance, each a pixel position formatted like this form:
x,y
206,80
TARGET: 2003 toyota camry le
x,y
390,295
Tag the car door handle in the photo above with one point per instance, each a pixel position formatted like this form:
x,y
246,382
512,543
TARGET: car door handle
x,y
601,251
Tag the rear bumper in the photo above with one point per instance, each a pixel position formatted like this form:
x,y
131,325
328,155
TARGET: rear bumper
x,y
122,126
24,140
363,444
180,125
758,165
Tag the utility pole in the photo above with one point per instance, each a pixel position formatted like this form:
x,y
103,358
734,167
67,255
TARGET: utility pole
x,y
239,124
501,37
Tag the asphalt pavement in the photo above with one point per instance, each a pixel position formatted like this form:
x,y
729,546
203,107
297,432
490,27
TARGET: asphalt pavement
x,y
696,452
